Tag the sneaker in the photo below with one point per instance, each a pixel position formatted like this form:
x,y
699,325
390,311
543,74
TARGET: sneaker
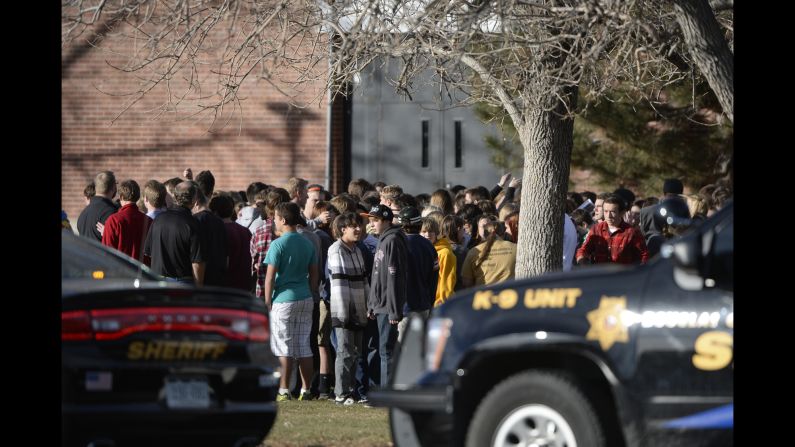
x,y
283,397
363,399
344,400
306,395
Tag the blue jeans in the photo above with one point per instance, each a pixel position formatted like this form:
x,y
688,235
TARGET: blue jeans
x,y
387,337
348,345
367,368
188,281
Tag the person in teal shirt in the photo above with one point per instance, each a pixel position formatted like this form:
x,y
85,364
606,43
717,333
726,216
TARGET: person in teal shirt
x,y
290,278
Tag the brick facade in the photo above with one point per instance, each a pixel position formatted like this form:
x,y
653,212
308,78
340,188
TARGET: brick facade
x,y
273,142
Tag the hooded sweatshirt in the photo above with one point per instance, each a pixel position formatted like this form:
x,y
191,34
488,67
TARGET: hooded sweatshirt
x,y
447,270
423,274
388,284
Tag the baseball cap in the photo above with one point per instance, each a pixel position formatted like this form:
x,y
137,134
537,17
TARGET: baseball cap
x,y
409,215
381,212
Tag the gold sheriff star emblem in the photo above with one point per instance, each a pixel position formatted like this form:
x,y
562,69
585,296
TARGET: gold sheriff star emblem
x,y
606,321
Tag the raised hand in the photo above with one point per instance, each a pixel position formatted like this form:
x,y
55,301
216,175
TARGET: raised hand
x,y
505,179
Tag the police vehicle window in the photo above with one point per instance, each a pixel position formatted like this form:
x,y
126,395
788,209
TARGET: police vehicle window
x,y
81,260
723,254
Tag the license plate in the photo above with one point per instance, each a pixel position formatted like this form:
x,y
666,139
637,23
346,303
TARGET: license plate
x,y
187,394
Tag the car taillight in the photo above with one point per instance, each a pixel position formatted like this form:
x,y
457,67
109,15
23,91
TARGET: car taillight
x,y
259,329
76,325
114,324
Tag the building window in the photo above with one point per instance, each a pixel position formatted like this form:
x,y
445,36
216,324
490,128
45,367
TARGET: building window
x,y
425,124
458,148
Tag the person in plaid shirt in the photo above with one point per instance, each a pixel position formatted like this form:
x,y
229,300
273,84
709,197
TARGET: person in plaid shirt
x,y
263,236
613,240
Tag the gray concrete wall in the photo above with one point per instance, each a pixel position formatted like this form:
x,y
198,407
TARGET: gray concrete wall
x,y
387,140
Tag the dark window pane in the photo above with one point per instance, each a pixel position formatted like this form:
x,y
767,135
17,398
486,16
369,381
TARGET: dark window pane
x,y
458,149
424,143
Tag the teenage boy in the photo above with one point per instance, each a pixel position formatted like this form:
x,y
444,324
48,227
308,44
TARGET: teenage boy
x,y
348,301
388,284
288,295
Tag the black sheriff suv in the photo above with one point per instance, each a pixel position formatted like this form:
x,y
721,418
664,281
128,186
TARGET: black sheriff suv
x,y
601,356
145,362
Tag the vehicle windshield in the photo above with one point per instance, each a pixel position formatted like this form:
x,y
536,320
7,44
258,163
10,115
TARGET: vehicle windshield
x,y
82,258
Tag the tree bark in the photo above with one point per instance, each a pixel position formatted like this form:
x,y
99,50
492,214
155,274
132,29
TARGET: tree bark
x,y
709,49
547,140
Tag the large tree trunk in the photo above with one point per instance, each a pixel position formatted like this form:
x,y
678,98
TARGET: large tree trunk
x,y
709,49
547,140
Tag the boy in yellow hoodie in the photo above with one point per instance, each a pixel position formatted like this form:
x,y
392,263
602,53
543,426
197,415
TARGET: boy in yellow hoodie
x,y
447,260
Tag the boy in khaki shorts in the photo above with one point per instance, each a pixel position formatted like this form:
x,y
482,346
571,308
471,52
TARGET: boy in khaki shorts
x,y
290,260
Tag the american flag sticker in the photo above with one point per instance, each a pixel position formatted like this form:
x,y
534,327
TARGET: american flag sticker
x,y
99,381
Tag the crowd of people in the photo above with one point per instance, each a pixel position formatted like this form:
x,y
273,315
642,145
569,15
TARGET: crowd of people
x,y
342,274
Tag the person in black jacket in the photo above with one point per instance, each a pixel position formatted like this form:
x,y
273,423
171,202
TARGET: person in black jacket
x,y
648,226
388,284
99,208
174,240
213,241
423,271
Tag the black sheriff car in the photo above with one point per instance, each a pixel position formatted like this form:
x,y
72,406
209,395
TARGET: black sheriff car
x,y
596,357
145,362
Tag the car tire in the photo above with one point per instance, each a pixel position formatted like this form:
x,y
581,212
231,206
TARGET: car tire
x,y
538,405
404,434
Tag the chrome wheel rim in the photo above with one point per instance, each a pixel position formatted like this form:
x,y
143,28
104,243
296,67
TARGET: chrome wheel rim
x,y
534,426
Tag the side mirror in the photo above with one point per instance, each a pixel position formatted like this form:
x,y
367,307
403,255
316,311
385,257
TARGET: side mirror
x,y
686,256
703,257
686,252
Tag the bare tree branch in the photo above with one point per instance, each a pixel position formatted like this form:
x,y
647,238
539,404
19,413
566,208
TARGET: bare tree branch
x,y
530,58
721,5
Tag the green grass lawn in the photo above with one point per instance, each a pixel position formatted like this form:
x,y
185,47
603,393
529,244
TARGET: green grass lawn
x,y
323,423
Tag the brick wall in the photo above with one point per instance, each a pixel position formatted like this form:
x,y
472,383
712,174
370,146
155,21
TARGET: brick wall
x,y
269,141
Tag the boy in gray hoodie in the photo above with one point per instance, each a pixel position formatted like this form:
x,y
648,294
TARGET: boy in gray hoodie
x,y
388,284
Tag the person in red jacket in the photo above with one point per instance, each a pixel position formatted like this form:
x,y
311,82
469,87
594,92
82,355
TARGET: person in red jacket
x,y
126,229
613,240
